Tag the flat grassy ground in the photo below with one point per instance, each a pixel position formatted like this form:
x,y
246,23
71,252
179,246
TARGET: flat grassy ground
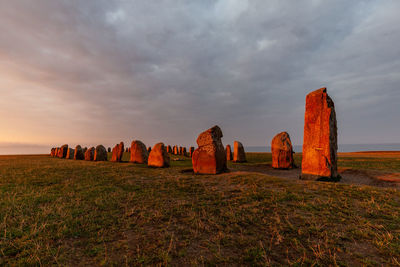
x,y
64,212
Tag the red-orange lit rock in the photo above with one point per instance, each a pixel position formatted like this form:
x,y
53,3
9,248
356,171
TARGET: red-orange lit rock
x,y
70,153
209,157
320,137
176,150
158,156
118,152
238,152
228,153
53,152
78,154
282,151
169,149
100,153
62,152
89,154
139,153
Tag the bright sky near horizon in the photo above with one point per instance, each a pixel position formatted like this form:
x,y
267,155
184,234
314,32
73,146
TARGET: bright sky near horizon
x,y
101,72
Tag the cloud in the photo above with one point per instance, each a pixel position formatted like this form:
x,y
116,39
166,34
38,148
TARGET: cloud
x,y
104,71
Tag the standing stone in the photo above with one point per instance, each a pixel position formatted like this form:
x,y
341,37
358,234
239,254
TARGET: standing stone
x,y
56,152
169,149
209,157
109,150
84,150
282,151
320,138
228,153
89,154
175,150
100,153
184,151
238,152
158,156
139,152
62,152
118,152
191,150
70,153
78,154
149,149
52,152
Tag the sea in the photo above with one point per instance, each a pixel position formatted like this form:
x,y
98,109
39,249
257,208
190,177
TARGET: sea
x,y
341,148
20,149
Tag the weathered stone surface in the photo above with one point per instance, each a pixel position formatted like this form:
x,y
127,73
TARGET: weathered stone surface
x,y
228,153
53,152
176,150
70,153
78,154
118,152
209,157
158,156
100,153
62,152
320,137
56,152
282,151
169,149
139,153
191,150
238,152
84,150
89,154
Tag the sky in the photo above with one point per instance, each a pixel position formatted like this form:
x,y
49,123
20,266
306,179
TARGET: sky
x,y
105,71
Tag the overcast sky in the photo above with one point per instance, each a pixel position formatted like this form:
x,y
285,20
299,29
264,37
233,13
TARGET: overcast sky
x,y
105,71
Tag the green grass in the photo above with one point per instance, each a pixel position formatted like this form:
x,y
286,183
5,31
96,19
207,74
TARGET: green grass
x,y
65,212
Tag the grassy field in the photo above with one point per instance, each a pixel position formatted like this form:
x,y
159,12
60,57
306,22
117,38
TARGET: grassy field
x,y
64,212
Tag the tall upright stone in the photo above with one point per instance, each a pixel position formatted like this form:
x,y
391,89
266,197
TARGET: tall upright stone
x,y
118,152
53,152
191,150
320,138
62,152
238,152
70,153
228,150
89,154
139,153
159,157
282,151
176,151
79,154
100,153
209,157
